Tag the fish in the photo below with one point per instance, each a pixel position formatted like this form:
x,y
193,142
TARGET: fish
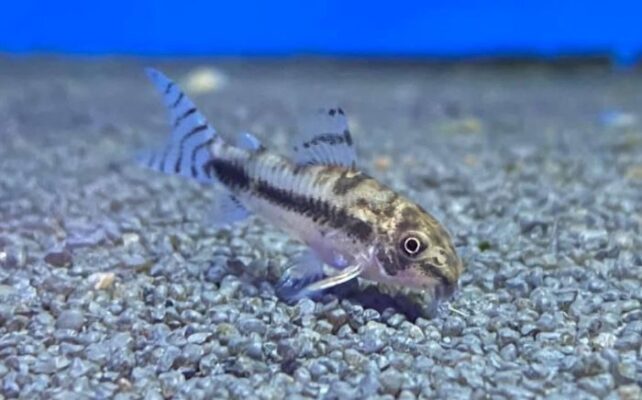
x,y
353,225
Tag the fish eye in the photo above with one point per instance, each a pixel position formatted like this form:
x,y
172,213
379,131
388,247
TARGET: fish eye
x,y
411,245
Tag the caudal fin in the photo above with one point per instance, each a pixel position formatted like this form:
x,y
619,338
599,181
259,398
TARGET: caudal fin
x,y
188,148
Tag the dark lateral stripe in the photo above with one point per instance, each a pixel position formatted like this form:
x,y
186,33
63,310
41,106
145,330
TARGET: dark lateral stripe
x,y
169,87
230,174
186,114
180,97
318,210
181,145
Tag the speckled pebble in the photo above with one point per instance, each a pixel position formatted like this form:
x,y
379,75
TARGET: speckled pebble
x,y
453,326
59,257
337,317
630,392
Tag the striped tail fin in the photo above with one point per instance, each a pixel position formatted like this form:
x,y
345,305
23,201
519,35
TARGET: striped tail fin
x,y
188,149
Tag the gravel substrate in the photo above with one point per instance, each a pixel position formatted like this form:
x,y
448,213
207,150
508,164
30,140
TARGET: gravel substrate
x,y
114,285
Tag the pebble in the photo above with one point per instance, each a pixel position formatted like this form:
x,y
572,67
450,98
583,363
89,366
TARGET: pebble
x,y
369,385
168,358
599,385
630,341
79,368
254,350
9,385
6,290
252,325
372,342
630,392
382,163
547,322
354,358
593,239
70,319
509,352
304,307
102,280
199,338
288,349
391,380
453,326
337,317
543,299
341,390
59,257
215,273
506,336
86,239
171,383
604,340
317,369
205,80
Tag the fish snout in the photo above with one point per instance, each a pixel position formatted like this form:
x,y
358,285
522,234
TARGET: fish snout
x,y
445,291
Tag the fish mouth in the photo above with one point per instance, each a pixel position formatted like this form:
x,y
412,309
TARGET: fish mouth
x,y
445,291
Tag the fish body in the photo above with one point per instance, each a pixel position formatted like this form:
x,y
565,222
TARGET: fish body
x,y
349,221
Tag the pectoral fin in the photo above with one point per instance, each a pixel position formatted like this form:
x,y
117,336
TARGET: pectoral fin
x,y
343,276
306,269
293,290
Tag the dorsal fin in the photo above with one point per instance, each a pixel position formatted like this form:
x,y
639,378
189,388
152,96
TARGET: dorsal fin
x,y
326,139
188,148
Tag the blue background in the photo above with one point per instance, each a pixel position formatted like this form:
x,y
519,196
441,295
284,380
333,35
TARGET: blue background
x,y
455,28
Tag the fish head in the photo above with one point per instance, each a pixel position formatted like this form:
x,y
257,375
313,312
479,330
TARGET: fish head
x,y
417,252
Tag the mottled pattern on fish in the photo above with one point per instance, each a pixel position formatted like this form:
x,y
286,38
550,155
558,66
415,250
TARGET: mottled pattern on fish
x,y
348,219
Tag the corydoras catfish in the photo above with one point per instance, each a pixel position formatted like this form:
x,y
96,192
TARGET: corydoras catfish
x,y
350,222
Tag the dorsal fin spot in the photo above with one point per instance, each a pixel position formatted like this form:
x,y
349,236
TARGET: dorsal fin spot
x,y
326,140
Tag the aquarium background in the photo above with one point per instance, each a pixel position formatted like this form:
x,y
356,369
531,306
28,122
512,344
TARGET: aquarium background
x,y
437,29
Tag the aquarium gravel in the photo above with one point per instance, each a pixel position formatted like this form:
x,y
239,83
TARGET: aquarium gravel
x,y
113,284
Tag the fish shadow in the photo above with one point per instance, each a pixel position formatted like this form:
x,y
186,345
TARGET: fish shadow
x,y
368,296
371,297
